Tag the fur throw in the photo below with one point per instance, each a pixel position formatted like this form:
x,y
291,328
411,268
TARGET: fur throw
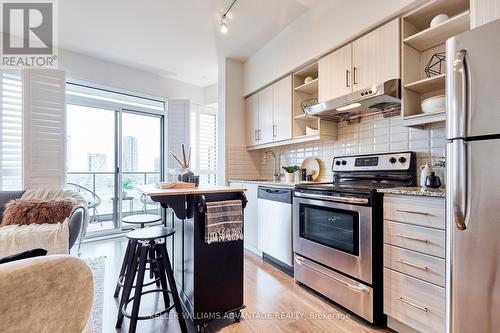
x,y
35,211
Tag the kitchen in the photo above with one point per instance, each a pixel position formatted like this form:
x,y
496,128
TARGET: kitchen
x,y
252,166
369,116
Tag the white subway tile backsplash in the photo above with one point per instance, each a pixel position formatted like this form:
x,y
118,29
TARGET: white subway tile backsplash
x,y
372,134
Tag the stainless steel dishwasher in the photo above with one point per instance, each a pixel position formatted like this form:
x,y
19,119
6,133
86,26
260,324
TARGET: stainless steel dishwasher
x,y
275,225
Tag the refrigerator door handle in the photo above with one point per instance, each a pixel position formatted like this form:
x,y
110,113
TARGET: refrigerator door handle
x,y
459,183
458,87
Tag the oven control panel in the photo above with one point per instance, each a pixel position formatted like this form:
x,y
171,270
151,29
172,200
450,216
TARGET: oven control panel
x,y
373,162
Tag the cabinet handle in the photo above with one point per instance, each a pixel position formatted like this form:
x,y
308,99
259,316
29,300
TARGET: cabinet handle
x,y
413,238
424,268
256,137
259,136
412,212
275,131
402,300
354,74
347,74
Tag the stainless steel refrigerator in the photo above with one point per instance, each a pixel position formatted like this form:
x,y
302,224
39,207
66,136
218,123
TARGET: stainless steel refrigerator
x,y
473,180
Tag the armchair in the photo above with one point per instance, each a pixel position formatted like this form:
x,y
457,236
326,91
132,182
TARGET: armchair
x,y
77,222
45,294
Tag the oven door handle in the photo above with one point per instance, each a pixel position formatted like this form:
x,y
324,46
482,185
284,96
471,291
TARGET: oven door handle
x,y
300,261
361,201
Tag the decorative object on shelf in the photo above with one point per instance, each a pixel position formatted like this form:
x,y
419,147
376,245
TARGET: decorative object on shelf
x,y
425,171
433,181
308,79
436,64
438,19
434,104
311,131
440,170
312,167
290,172
183,173
307,103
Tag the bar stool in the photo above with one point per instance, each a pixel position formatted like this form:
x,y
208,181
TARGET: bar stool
x,y
147,248
142,220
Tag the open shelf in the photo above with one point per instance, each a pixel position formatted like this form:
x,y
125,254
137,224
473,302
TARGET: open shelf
x,y
421,17
428,84
310,87
438,34
422,119
305,117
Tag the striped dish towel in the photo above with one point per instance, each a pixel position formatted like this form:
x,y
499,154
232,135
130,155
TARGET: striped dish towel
x,y
223,221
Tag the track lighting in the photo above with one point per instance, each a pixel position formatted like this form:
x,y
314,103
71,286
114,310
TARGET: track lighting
x,y
223,25
223,19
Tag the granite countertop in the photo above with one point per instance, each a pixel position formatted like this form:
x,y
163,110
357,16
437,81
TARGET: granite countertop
x,y
415,190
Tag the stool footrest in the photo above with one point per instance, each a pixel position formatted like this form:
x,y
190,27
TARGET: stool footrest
x,y
154,315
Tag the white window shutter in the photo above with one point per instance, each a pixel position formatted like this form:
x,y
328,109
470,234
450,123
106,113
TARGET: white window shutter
x,y
178,129
11,134
44,128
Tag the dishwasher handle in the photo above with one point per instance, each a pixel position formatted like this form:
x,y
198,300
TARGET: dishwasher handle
x,y
275,194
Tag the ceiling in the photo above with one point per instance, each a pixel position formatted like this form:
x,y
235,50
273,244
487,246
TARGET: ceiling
x,y
179,39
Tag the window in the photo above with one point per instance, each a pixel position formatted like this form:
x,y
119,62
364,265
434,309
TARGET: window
x,y
204,142
11,133
114,142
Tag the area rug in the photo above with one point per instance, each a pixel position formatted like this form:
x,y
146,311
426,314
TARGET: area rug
x,y
97,267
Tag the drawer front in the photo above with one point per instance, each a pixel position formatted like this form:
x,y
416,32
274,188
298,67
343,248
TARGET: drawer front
x,y
349,293
424,211
411,237
415,303
428,268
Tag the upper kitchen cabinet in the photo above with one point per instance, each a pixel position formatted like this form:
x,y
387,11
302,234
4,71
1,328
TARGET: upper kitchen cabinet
x,y
282,113
375,56
424,59
335,74
252,119
369,60
269,114
266,108
484,11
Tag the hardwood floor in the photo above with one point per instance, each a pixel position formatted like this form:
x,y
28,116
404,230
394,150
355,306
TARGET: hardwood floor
x,y
274,302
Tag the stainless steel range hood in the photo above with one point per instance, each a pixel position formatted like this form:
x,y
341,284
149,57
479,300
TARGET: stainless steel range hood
x,y
384,98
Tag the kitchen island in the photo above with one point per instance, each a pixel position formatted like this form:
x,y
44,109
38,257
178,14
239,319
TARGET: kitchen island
x,y
209,276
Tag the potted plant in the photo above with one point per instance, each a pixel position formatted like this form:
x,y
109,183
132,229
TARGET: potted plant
x,y
289,172
127,185
440,169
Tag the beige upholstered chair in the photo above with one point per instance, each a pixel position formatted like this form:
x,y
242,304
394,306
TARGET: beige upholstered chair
x,y
45,294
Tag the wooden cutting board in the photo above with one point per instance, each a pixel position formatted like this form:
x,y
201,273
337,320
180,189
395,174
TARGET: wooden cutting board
x,y
176,185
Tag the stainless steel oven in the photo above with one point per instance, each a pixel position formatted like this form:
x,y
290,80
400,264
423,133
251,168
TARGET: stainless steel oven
x,y
335,231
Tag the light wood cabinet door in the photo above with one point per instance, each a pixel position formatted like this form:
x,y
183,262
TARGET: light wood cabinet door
x,y
376,56
334,72
282,109
265,115
484,11
252,119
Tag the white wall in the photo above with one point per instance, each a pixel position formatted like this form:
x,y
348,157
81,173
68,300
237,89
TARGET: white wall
x,y
323,28
86,68
234,160
211,94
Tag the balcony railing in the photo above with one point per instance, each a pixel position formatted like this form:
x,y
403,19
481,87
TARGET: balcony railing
x,y
103,184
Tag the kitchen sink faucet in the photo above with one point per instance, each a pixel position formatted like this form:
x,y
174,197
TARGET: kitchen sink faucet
x,y
276,164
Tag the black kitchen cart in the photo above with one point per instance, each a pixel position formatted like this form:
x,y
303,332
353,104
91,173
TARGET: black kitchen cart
x,y
209,276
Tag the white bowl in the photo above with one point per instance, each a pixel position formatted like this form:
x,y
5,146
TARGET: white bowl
x,y
439,19
434,104
308,79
